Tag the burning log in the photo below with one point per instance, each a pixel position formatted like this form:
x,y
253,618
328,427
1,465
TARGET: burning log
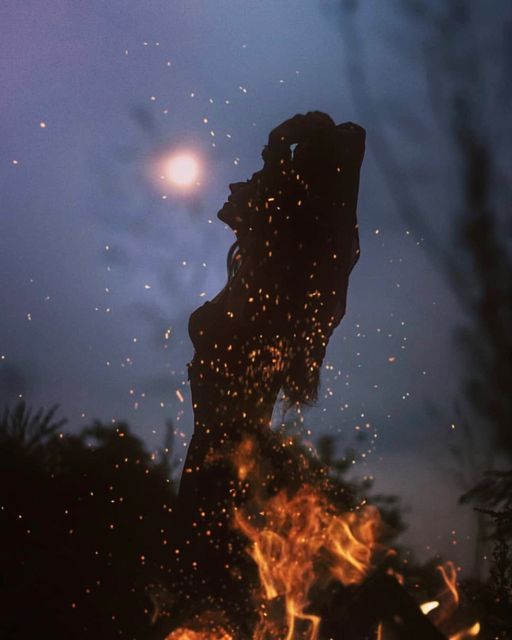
x,y
380,600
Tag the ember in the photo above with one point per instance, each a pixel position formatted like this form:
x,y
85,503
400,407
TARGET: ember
x,y
189,634
472,632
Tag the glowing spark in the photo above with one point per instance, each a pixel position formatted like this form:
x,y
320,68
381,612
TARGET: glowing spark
x,y
427,607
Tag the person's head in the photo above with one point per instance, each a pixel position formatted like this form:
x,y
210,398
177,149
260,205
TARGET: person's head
x,y
234,212
309,146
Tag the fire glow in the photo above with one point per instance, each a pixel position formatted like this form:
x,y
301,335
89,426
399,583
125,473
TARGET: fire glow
x,y
296,530
298,541
190,634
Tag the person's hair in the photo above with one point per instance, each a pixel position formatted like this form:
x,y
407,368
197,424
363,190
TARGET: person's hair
x,y
234,260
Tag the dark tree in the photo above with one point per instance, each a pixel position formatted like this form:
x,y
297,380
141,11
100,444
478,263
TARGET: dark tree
x,y
86,525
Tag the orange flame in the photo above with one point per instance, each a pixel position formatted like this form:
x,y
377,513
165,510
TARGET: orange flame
x,y
448,597
190,634
299,540
448,601
471,632
449,574
288,537
246,461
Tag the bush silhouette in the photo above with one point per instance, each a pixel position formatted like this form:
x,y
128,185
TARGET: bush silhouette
x,y
85,523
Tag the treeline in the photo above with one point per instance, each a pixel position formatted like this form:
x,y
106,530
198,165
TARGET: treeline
x,y
88,521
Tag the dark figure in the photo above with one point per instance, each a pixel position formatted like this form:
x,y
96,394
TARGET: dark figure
x,y
265,332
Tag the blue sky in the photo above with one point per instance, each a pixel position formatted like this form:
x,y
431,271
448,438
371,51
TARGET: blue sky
x,y
96,268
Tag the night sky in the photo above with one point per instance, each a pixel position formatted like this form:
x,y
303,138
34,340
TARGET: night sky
x,y
102,262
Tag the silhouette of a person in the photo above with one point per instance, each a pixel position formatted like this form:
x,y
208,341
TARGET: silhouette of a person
x,y
265,332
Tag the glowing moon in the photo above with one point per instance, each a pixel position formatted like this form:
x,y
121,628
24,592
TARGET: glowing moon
x,y
182,170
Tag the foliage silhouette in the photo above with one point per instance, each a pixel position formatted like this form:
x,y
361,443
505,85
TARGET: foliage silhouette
x,y
86,521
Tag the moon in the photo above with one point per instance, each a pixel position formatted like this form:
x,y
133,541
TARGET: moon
x,y
182,170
